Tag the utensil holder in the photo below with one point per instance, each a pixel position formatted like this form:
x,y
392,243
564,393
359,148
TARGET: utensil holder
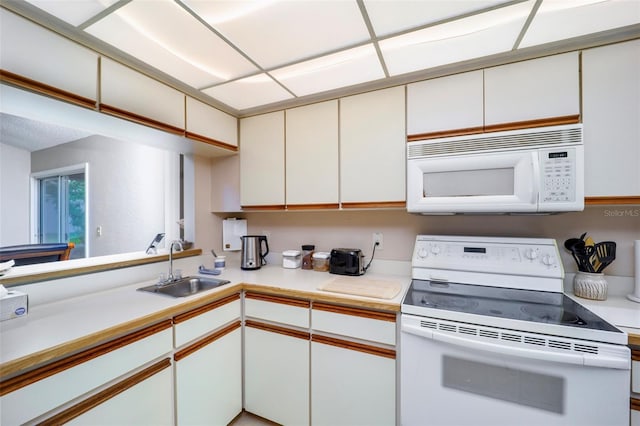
x,y
590,285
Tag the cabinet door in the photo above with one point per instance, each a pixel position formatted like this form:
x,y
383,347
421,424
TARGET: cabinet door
x,y
532,90
350,387
362,324
449,103
129,94
276,377
611,107
372,149
38,54
262,160
312,155
206,121
149,402
194,324
209,380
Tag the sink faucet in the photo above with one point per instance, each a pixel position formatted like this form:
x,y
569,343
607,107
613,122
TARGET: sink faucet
x,y
170,277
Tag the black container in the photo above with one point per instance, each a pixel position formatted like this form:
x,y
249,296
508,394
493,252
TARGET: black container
x,y
345,261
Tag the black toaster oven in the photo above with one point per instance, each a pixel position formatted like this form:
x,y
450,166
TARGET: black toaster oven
x,y
346,261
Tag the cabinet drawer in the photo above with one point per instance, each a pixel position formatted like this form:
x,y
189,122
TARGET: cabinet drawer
x,y
277,309
193,324
635,371
354,322
38,391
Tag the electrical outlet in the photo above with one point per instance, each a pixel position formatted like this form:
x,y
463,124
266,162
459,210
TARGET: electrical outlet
x,y
377,238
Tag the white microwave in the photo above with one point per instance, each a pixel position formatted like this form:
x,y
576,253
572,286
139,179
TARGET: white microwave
x,y
537,170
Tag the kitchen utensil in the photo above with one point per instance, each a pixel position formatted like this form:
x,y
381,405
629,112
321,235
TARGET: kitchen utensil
x,y
605,254
579,251
252,255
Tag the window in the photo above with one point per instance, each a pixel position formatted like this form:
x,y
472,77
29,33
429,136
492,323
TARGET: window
x,y
59,213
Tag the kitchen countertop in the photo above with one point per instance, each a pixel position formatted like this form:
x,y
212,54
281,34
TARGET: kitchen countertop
x,y
53,330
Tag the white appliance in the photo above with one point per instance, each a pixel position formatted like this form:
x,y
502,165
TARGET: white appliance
x,y
489,338
537,170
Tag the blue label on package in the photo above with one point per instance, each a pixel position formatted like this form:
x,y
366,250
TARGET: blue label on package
x,y
20,311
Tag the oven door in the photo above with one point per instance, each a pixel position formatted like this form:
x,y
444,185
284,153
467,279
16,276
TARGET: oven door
x,y
448,378
490,182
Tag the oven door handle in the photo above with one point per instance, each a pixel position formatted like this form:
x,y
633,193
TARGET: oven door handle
x,y
567,358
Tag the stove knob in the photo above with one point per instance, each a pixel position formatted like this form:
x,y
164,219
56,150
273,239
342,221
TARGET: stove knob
x,y
548,260
435,249
531,254
422,253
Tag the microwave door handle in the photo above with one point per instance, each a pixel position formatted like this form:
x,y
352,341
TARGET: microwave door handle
x,y
543,355
535,187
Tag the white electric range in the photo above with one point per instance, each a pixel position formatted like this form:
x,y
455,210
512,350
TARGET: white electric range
x,y
489,337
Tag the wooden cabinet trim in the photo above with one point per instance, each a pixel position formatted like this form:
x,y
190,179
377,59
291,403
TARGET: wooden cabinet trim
x,y
635,354
278,299
321,206
360,347
518,125
277,329
211,141
205,308
264,208
634,340
616,200
94,401
375,205
45,89
635,404
140,119
183,353
358,312
28,378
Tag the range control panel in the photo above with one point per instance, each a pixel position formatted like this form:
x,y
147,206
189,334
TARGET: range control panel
x,y
512,256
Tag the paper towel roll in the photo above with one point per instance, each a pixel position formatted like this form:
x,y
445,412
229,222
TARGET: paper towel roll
x,y
636,294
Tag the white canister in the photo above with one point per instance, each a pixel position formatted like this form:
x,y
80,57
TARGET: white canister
x,y
291,259
220,262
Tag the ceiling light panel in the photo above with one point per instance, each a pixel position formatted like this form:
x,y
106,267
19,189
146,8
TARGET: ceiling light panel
x,y
249,92
388,17
456,41
167,37
275,33
563,19
342,69
74,12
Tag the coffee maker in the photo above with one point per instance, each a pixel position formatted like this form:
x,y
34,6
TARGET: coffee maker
x,y
252,255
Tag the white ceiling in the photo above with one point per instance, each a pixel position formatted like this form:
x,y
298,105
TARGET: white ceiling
x,y
251,53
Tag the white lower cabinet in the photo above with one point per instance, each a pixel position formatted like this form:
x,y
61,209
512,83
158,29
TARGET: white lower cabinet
x,y
149,402
350,387
209,381
276,382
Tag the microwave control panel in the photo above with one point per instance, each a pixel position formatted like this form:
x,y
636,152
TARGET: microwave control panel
x,y
558,168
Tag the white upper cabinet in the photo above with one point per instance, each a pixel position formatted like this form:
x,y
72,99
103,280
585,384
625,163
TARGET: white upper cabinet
x,y
372,148
134,93
446,103
611,119
207,121
262,160
531,90
41,55
312,154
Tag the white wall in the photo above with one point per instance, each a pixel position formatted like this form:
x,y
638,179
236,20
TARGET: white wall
x,y
15,166
126,189
354,229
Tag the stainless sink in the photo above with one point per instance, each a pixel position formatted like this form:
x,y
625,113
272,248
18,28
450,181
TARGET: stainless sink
x,y
185,286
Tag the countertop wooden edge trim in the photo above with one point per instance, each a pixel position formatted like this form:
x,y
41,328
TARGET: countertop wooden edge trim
x,y
46,356
46,276
99,398
358,312
277,299
635,355
354,301
360,347
73,360
183,353
277,329
210,141
633,339
635,404
205,308
615,200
